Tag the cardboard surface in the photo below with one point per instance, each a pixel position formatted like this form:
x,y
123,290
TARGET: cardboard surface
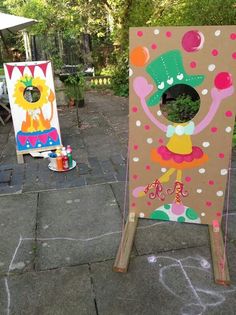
x,y
178,171
33,105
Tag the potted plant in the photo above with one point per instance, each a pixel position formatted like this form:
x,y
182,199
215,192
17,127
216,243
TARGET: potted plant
x,y
75,87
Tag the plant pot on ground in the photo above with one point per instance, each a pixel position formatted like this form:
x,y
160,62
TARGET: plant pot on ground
x,y
75,86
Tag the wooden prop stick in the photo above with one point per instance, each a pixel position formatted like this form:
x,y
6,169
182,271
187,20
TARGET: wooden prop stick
x,y
220,265
126,244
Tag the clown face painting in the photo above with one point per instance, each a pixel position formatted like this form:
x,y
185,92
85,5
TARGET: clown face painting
x,y
33,107
178,169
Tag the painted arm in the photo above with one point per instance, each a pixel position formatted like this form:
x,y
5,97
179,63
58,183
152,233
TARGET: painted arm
x,y
217,97
142,89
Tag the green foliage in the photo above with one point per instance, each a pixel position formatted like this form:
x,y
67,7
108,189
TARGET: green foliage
x,y
75,85
120,77
182,109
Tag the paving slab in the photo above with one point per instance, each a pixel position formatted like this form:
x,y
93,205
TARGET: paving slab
x,y
77,226
56,292
157,236
174,283
17,219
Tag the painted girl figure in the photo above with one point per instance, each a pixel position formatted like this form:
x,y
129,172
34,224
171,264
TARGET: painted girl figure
x,y
179,152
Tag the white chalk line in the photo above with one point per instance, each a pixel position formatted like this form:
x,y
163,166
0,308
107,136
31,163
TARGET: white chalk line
x,y
205,267
22,239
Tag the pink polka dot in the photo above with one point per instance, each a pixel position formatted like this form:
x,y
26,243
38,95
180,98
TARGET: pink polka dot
x,y
234,55
223,80
218,214
208,203
154,46
134,109
140,33
228,113
149,203
188,179
211,182
233,36
214,129
193,64
135,147
214,52
147,127
135,177
221,155
160,140
168,34
148,167
133,204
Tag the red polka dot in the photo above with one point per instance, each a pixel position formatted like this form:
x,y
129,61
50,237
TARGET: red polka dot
x,y
160,140
134,109
140,33
133,204
214,52
193,64
135,147
233,36
135,177
218,214
221,155
208,203
168,34
148,167
149,203
147,127
188,179
228,113
154,46
214,129
223,80
234,55
211,182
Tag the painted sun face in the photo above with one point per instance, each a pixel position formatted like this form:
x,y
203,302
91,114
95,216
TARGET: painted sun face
x,y
24,84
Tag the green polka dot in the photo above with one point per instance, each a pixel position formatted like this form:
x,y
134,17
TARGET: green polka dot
x,y
167,207
191,214
159,215
181,219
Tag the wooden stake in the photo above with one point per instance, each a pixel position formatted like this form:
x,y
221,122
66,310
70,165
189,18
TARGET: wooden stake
x,y
220,264
20,158
126,244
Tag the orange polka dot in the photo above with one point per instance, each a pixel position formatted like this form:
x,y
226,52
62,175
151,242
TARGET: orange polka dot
x,y
139,56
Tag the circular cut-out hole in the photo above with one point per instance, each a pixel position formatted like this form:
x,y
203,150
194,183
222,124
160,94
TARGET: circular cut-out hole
x,y
180,103
32,94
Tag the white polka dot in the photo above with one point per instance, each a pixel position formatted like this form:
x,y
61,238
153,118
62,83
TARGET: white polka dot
x,y
130,72
199,191
204,92
223,171
220,193
39,145
203,214
136,159
141,215
217,33
163,170
202,170
27,145
50,142
138,123
149,140
228,129
156,31
211,67
206,144
159,113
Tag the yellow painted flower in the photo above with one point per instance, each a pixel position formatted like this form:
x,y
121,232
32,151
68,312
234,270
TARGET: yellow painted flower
x,y
25,86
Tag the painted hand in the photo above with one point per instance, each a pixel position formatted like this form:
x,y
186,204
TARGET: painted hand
x,y
142,87
218,95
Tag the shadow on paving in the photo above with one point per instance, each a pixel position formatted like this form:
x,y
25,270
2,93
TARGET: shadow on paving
x,y
59,233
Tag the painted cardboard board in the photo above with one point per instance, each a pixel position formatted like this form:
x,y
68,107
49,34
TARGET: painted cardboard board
x,y
33,106
178,171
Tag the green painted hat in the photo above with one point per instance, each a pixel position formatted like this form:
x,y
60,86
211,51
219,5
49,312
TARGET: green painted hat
x,y
167,70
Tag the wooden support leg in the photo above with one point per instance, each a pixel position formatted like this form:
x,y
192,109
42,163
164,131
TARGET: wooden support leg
x,y
220,265
126,244
20,158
